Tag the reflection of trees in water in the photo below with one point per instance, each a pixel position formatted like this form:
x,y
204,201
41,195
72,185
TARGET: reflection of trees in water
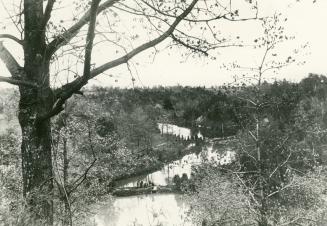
x,y
145,210
162,209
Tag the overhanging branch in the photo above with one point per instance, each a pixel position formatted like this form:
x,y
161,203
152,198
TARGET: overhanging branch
x,y
65,37
58,107
16,71
179,41
10,62
65,92
150,44
17,82
47,13
90,38
11,37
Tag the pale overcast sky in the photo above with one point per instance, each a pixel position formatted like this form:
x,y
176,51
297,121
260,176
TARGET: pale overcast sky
x,y
306,21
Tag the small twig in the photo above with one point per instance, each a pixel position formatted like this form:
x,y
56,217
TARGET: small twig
x,y
82,178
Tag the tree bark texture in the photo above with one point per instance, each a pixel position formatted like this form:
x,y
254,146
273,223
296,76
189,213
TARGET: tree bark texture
x,y
38,102
35,102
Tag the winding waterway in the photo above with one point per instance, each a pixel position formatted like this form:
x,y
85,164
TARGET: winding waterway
x,y
158,209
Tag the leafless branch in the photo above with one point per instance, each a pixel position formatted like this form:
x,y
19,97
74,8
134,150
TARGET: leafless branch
x,y
268,48
244,150
90,38
87,58
17,82
14,68
82,178
69,89
65,37
186,19
16,71
248,100
11,17
12,65
179,41
286,160
47,13
8,36
145,46
283,188
248,189
240,19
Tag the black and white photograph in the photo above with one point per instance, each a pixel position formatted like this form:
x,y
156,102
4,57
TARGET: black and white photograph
x,y
163,113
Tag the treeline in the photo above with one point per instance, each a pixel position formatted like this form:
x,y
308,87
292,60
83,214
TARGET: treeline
x,y
217,111
109,134
279,174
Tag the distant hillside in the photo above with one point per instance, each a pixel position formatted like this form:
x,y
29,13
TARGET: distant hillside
x,y
215,112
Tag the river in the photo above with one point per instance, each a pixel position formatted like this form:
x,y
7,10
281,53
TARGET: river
x,y
145,210
158,209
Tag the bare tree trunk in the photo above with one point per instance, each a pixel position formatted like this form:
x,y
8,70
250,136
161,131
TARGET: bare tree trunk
x,y
38,102
36,159
34,103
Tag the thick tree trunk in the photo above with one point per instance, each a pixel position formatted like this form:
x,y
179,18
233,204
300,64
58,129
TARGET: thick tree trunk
x,y
36,134
36,157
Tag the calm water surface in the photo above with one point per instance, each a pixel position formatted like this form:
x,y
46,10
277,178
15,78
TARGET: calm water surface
x,y
147,210
158,209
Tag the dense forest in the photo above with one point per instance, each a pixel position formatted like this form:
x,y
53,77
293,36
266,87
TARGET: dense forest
x,y
106,135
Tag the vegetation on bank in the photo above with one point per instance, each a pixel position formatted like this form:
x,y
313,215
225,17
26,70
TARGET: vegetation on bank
x,y
112,133
279,176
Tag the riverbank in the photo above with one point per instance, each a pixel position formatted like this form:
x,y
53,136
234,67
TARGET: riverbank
x,y
132,191
191,148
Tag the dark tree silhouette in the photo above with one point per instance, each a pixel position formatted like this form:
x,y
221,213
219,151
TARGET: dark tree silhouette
x,y
40,40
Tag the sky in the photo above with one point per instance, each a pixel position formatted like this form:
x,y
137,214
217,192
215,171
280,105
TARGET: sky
x,y
305,21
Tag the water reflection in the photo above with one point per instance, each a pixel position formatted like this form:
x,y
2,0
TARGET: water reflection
x,y
160,209
184,166
145,210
